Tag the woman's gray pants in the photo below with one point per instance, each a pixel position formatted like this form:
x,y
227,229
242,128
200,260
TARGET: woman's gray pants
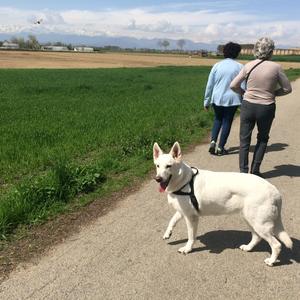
x,y
262,116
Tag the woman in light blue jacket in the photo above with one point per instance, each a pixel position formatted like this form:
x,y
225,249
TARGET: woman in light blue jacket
x,y
222,99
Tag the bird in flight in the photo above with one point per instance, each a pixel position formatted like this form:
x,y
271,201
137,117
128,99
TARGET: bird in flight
x,y
39,21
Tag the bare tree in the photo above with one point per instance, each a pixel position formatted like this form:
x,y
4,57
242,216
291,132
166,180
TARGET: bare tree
x,y
165,44
220,49
180,44
159,43
20,41
33,42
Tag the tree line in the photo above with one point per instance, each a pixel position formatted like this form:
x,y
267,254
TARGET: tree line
x,y
32,43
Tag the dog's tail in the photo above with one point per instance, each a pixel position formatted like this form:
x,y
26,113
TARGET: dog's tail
x,y
279,231
282,235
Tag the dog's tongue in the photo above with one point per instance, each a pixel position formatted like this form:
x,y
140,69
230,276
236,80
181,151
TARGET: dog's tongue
x,y
161,190
162,187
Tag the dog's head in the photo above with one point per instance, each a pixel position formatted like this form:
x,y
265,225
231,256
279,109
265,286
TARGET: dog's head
x,y
166,164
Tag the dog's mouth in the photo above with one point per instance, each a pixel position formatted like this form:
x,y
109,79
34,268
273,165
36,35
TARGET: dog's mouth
x,y
164,184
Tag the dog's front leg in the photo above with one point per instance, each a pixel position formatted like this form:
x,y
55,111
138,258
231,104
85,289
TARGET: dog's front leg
x,y
177,216
192,224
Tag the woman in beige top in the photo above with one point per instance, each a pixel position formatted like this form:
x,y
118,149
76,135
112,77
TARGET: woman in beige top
x,y
264,81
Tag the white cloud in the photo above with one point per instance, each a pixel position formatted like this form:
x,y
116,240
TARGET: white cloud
x,y
197,25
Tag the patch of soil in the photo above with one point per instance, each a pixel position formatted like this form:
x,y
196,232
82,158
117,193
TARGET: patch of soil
x,y
68,60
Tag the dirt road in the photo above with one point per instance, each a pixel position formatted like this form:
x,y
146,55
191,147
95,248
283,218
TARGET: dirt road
x,y
122,255
31,59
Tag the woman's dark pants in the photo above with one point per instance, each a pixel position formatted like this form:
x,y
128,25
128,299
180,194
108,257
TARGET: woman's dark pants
x,y
262,116
223,119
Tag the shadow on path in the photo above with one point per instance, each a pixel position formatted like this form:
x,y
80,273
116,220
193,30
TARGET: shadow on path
x,y
220,240
270,148
283,170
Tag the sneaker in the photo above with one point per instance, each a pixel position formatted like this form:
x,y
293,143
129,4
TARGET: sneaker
x,y
212,147
221,151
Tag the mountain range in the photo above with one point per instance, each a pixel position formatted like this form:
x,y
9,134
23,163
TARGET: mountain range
x,y
101,41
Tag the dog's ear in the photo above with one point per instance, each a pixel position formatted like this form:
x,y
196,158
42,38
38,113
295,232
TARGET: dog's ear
x,y
176,151
156,151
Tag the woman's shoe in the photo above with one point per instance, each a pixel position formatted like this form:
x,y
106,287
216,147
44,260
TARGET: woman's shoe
x,y
221,151
258,174
212,147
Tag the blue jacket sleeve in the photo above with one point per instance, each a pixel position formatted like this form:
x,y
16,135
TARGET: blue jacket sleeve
x,y
209,87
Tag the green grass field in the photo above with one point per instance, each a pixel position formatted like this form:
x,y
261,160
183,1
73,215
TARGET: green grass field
x,y
66,133
50,114
287,58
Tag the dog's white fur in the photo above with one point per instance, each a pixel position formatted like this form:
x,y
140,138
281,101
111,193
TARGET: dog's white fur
x,y
221,193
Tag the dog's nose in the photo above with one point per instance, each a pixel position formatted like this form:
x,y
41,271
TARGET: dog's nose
x,y
158,178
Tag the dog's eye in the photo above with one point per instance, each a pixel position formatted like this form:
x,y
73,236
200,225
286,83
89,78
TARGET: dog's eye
x,y
168,166
157,166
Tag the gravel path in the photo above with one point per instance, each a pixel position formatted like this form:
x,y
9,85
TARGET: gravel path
x,y
122,254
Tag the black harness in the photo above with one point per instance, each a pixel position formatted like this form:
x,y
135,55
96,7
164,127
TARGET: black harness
x,y
191,193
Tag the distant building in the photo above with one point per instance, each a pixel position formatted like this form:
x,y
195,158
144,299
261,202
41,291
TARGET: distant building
x,y
202,53
292,51
8,45
84,49
55,48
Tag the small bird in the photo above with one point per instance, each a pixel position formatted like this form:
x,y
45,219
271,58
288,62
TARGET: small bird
x,y
38,21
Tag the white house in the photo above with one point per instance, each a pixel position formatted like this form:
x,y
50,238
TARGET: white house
x,y
84,49
8,45
55,48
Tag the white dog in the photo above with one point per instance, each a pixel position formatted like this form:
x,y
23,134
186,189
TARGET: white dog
x,y
194,193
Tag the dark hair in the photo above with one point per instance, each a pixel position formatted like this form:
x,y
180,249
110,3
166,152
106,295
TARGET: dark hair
x,y
231,50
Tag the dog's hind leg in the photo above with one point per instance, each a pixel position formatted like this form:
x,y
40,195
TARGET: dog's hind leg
x,y
254,241
177,216
266,233
192,225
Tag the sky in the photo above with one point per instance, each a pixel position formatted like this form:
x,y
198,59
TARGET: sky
x,y
207,21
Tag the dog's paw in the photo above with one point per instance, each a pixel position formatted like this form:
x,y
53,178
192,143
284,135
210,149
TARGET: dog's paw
x,y
167,234
269,262
245,248
185,250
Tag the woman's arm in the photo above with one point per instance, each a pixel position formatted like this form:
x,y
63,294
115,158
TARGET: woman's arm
x,y
235,85
209,87
285,86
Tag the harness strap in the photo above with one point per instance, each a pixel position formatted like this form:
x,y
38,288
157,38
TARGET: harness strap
x,y
191,193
